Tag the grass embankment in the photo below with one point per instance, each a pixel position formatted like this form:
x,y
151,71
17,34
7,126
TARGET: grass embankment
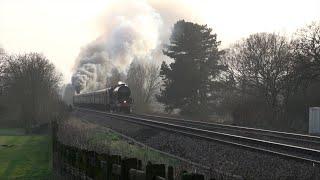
x,y
90,136
24,156
118,145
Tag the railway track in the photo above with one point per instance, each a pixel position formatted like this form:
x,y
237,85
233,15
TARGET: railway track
x,y
196,130
302,140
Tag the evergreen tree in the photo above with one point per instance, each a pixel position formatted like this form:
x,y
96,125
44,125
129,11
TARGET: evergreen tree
x,y
190,81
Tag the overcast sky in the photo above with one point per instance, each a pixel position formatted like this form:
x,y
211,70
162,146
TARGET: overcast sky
x,y
58,29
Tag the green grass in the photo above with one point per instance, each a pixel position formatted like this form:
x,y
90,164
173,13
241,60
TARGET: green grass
x,y
28,158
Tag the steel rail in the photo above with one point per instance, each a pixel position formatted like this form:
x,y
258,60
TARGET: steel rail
x,y
304,138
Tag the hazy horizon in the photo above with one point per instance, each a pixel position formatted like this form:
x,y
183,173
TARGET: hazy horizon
x,y
60,29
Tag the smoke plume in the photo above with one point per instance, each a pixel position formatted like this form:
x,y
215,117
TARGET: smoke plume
x,y
131,30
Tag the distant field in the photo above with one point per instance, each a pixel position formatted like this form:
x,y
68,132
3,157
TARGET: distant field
x,y
29,157
11,132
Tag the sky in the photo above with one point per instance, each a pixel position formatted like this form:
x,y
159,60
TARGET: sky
x,y
60,28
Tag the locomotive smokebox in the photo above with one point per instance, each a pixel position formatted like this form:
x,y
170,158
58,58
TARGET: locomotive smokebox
x,y
122,92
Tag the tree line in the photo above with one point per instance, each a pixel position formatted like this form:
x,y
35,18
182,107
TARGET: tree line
x,y
264,80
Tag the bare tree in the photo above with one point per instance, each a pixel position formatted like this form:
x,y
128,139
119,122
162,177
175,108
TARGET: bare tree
x,y
306,44
32,86
263,67
307,51
144,81
135,80
152,81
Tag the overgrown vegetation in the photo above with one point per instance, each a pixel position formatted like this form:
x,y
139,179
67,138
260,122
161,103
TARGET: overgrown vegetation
x,y
93,137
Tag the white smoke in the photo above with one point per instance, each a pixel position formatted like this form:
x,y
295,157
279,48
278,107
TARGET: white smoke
x,y
67,93
131,29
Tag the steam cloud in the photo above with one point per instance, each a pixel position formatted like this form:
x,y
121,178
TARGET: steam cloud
x,y
133,30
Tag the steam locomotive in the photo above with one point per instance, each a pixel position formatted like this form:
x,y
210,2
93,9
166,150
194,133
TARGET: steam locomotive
x,y
115,99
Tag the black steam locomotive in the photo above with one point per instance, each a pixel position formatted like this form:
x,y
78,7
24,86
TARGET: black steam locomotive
x,y
115,99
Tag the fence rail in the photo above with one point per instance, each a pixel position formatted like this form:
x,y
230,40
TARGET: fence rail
x,y
75,163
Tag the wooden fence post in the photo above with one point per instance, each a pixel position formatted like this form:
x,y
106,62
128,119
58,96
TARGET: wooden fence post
x,y
74,163
170,173
135,174
96,167
73,156
192,176
154,170
80,161
159,178
86,162
63,160
89,164
139,164
102,166
67,160
114,167
127,164
116,172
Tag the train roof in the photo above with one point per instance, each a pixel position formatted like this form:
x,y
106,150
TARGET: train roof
x,y
97,91
102,90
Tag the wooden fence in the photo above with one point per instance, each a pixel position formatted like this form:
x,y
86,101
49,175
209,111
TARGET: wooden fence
x,y
75,163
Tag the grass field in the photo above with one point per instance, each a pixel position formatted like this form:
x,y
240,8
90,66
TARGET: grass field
x,y
29,157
